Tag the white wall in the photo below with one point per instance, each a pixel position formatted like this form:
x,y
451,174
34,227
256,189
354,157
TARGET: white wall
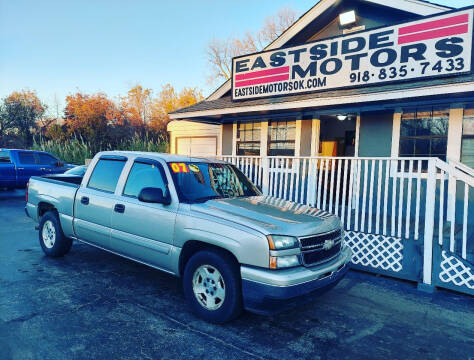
x,y
183,128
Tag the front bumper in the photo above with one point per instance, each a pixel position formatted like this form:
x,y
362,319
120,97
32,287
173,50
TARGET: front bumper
x,y
270,291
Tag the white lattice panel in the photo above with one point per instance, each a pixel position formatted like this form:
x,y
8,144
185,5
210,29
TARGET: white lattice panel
x,y
455,271
377,251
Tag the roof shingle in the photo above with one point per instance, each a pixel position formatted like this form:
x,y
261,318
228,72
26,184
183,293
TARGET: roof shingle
x,y
226,102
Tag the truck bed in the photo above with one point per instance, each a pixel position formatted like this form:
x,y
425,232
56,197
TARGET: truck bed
x,y
57,190
72,179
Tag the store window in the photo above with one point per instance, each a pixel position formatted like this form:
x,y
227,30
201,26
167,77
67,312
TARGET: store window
x,y
281,137
467,145
248,138
424,132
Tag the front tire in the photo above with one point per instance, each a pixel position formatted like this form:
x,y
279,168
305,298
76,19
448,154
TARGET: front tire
x,y
51,236
212,286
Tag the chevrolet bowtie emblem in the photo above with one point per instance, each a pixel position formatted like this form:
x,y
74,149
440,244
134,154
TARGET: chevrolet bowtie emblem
x,y
328,244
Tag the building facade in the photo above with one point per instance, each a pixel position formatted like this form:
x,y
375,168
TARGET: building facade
x,y
364,109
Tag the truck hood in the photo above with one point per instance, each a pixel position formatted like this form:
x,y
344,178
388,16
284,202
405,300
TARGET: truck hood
x,y
270,215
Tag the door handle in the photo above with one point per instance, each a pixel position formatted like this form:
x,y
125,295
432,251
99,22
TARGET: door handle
x,y
120,208
20,168
85,200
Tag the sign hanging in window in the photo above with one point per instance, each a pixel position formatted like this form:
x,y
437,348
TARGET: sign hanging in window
x,y
179,168
430,47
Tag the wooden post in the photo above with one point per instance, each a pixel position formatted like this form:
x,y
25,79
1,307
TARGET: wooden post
x,y
397,116
315,132
298,136
264,138
356,140
453,152
234,139
429,224
219,142
264,156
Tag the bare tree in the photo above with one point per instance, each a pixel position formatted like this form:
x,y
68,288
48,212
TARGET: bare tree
x,y
275,25
57,104
218,56
221,51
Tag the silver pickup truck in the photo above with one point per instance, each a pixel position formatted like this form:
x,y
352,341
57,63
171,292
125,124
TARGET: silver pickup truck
x,y
198,219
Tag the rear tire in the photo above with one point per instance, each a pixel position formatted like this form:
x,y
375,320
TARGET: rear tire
x,y
51,236
212,286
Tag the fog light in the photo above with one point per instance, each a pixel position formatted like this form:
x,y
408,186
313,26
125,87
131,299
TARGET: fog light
x,y
279,262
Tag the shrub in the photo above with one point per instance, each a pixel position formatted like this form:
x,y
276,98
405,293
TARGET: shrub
x,y
76,150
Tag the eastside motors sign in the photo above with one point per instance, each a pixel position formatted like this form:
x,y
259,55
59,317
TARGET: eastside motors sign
x,y
430,47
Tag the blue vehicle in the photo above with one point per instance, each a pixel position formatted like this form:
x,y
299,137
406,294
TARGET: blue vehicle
x,y
17,166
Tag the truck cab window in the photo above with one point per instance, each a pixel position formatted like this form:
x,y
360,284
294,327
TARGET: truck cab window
x,y
141,176
26,157
106,174
45,159
5,157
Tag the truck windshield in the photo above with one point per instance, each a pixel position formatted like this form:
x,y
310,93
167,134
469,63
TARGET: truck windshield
x,y
199,182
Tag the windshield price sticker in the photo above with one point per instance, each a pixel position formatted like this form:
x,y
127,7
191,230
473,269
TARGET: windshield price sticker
x,y
433,46
193,168
179,168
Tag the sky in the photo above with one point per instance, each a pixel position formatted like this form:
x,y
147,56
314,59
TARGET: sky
x,y
59,47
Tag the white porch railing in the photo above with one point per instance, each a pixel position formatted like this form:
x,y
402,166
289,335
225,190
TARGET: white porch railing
x,y
457,258
385,204
358,190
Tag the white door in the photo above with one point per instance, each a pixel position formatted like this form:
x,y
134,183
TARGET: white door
x,y
197,146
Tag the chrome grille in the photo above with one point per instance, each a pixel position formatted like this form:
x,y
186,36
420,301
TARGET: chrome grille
x,y
313,249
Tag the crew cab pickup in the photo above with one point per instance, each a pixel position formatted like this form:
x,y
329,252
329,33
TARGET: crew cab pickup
x,y
199,219
17,166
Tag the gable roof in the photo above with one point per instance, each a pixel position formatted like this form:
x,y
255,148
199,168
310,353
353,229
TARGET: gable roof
x,y
418,7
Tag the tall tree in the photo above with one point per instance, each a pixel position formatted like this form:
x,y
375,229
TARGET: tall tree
x,y
21,111
188,96
221,51
6,125
275,25
137,105
169,100
89,115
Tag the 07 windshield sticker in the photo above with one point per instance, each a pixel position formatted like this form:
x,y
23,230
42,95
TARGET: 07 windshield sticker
x,y
179,168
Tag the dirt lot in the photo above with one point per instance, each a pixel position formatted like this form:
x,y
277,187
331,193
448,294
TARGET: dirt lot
x,y
94,305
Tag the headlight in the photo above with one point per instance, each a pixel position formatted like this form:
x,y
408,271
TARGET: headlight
x,y
278,262
281,242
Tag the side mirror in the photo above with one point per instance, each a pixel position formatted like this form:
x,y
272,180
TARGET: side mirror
x,y
153,195
59,164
